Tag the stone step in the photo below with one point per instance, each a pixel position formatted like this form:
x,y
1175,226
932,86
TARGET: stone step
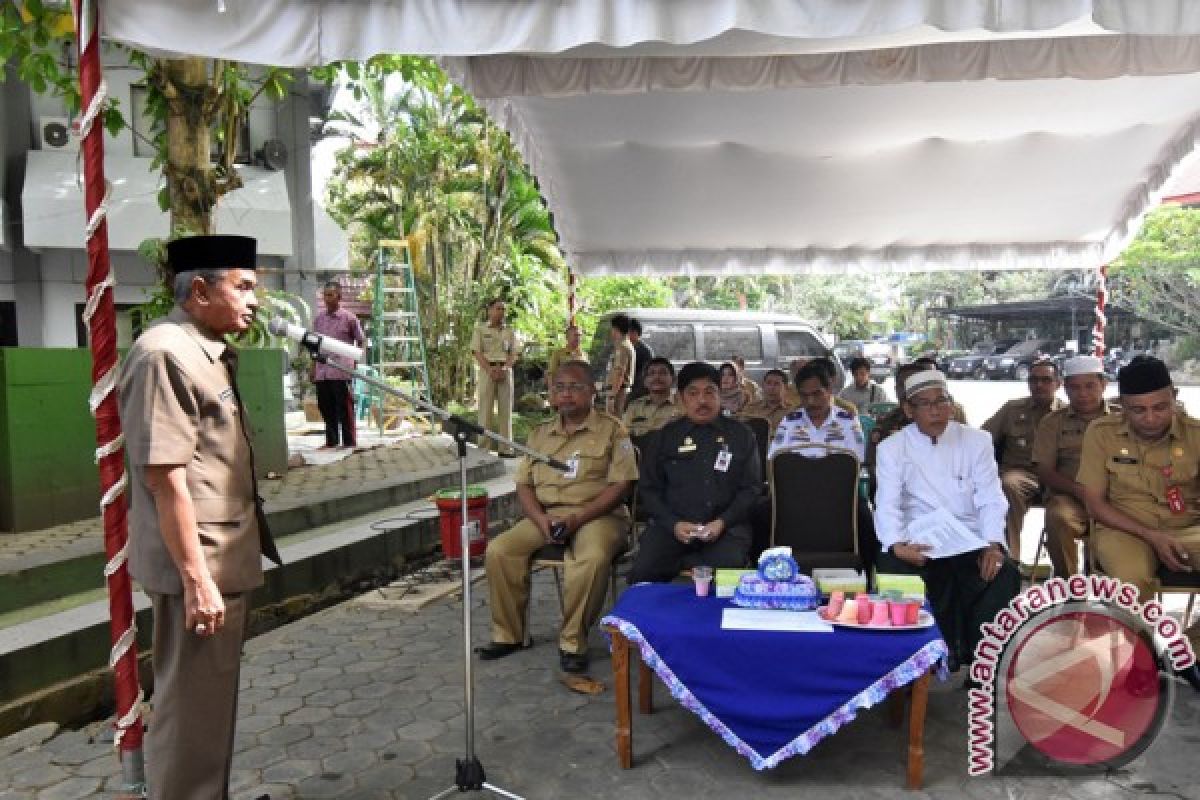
x,y
53,668
54,573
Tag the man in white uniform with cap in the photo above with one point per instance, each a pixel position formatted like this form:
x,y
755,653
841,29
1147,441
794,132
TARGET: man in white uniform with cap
x,y
934,475
1056,453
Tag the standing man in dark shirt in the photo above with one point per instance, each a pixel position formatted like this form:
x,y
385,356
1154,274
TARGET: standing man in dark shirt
x,y
700,478
641,357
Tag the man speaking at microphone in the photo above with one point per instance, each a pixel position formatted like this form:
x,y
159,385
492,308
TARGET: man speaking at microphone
x,y
197,531
334,398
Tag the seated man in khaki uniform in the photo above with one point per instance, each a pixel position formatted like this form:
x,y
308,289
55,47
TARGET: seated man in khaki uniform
x,y
771,407
1013,428
583,506
657,407
1138,472
1056,451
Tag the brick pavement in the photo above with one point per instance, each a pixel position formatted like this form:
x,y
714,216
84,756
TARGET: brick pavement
x,y
364,701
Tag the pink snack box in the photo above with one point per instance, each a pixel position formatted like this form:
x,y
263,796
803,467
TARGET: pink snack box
x,y
864,609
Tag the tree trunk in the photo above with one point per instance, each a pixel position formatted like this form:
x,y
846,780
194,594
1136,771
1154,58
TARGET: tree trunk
x,y
191,104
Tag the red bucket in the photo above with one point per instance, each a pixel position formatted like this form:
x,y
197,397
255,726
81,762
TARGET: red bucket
x,y
449,504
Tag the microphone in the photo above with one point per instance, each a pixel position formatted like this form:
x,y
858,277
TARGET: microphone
x,y
315,343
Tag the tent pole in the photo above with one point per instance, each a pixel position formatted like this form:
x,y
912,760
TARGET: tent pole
x,y
1101,319
100,317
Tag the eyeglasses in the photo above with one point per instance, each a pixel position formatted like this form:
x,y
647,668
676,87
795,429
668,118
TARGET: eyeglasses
x,y
559,388
937,402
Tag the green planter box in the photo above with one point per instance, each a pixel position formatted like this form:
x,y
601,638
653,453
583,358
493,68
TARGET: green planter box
x,y
48,474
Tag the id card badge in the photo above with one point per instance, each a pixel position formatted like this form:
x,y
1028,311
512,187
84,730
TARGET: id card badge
x,y
723,459
572,467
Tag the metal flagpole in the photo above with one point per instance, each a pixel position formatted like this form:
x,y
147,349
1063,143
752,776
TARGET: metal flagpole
x,y
100,317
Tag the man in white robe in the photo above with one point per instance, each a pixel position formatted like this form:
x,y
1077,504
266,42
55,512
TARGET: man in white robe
x,y
940,475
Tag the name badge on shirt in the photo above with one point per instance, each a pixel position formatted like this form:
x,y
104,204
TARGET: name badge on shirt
x,y
688,445
572,467
723,459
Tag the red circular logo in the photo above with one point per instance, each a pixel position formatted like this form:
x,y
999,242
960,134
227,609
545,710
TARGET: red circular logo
x,y
1084,688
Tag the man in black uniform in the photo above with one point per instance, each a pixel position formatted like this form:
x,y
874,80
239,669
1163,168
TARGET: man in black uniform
x,y
699,479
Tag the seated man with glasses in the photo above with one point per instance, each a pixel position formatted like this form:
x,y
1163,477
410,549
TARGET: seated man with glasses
x,y
657,407
938,472
581,507
700,480
1013,429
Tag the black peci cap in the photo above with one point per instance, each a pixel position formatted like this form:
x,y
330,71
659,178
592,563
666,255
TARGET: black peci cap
x,y
218,251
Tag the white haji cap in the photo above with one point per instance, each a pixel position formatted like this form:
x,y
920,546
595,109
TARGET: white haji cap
x,y
920,381
1083,365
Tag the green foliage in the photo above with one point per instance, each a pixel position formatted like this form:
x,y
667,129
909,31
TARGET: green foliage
x,y
1158,274
427,166
598,296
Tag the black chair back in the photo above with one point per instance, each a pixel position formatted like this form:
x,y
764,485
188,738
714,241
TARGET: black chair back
x,y
814,505
761,428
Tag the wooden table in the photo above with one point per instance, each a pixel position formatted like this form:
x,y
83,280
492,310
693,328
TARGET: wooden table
x,y
916,693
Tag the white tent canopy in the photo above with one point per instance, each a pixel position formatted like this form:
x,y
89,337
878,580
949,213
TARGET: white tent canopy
x,y
717,136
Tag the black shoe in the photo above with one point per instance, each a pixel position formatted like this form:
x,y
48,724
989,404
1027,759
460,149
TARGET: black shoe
x,y
1191,675
575,663
952,663
491,652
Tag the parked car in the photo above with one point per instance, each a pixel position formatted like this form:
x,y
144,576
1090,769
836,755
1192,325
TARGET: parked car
x,y
944,357
882,363
971,365
1014,364
766,341
848,349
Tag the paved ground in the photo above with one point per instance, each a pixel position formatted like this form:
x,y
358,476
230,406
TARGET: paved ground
x,y
339,473
365,701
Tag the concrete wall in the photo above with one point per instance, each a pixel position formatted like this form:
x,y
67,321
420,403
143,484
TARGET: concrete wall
x,y
47,473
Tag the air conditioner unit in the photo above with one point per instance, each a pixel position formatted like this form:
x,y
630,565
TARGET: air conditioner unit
x,y
58,133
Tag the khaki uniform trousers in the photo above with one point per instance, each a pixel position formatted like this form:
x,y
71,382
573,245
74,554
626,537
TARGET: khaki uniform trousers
x,y
1020,489
587,561
1066,524
495,405
189,747
1127,557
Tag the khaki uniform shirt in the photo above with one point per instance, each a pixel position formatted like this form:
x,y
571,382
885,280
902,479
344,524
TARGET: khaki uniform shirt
x,y
772,413
179,407
1059,441
645,414
753,390
622,357
603,453
1014,427
494,344
1132,472
559,357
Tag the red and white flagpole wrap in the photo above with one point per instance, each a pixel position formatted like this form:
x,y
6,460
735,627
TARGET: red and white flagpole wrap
x,y
1101,319
100,317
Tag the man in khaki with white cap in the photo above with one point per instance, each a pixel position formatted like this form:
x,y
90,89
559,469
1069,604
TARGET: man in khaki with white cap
x,y
1056,454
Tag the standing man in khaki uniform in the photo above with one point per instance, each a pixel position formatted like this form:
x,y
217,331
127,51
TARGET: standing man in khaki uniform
x,y
620,370
494,346
571,351
651,411
198,533
582,505
1138,473
1056,452
1013,428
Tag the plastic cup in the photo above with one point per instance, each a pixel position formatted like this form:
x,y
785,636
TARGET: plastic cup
x,y
836,601
864,609
879,613
912,612
898,610
702,580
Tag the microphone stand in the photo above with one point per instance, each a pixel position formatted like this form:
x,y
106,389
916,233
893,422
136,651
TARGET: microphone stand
x,y
468,771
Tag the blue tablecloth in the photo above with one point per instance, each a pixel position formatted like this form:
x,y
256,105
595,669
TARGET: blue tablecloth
x,y
769,695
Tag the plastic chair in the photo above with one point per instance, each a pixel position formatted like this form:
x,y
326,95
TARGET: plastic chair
x,y
762,434
814,506
364,393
